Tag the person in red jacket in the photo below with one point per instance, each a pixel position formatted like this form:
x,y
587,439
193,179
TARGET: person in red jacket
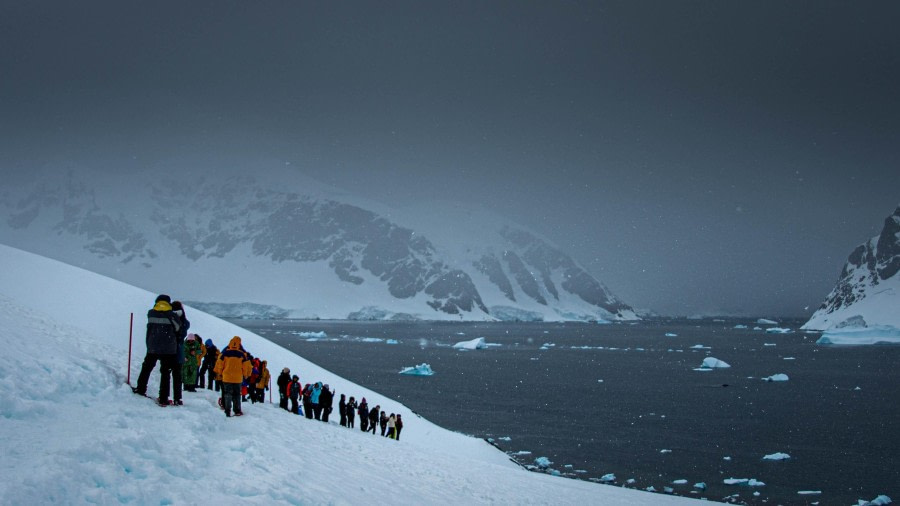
x,y
234,366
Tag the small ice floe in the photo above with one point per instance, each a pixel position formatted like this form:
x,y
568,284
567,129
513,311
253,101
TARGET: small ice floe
x,y
371,340
700,347
757,328
608,478
776,377
679,482
739,326
460,333
750,482
789,358
700,486
809,492
878,501
857,389
392,341
319,335
769,344
671,334
601,381
630,481
418,370
668,490
710,363
581,471
505,438
777,456
522,452
726,458
766,321
543,462
568,466
779,330
650,489
475,344
665,451
547,346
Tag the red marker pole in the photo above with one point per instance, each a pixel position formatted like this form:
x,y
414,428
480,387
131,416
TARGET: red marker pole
x,y
130,334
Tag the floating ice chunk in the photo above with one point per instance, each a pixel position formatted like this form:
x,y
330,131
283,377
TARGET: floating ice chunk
x,y
757,328
679,482
740,326
713,363
857,389
700,347
319,335
671,334
750,482
779,330
372,340
764,321
522,452
475,344
392,341
777,456
665,451
505,438
809,492
543,462
790,358
700,486
630,481
878,501
860,336
776,377
668,490
608,478
650,489
769,344
418,370
726,458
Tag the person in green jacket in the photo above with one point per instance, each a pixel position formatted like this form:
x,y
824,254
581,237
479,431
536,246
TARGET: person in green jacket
x,y
192,351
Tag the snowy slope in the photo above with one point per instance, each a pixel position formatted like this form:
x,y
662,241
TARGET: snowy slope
x,y
868,291
72,431
276,239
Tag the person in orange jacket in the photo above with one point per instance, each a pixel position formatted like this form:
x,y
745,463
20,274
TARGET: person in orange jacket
x,y
262,384
234,366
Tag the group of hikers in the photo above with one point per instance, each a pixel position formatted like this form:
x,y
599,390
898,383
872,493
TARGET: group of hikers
x,y
318,403
186,361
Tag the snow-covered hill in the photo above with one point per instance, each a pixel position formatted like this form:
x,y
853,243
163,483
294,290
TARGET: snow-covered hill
x,y
868,291
72,432
275,242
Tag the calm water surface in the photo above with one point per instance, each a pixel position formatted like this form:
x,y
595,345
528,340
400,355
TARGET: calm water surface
x,y
625,399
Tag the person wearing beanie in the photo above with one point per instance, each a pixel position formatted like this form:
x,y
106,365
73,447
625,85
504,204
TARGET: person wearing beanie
x,y
283,379
234,366
163,330
189,368
209,363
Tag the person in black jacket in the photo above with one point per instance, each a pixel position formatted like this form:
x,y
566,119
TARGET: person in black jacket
x,y
342,410
163,329
373,418
363,415
294,392
351,411
283,379
209,363
326,402
178,310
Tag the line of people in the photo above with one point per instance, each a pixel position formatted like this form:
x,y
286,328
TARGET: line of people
x,y
187,362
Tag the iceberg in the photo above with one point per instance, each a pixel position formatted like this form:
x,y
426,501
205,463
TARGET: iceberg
x,y
778,330
608,478
419,370
764,321
880,334
475,344
878,501
777,456
542,462
776,377
713,363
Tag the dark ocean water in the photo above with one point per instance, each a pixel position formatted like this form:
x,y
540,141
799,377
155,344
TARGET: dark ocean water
x,y
631,404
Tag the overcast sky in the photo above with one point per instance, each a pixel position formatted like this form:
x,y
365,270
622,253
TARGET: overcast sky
x,y
697,157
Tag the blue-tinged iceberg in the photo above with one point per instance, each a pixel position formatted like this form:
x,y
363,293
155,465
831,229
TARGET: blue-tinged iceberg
x,y
860,336
418,370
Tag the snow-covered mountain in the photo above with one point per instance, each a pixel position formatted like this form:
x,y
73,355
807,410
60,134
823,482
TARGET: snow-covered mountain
x,y
276,243
868,291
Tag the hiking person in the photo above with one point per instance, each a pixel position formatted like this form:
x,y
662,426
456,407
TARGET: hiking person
x,y
363,412
294,393
163,327
178,310
314,396
326,401
189,369
350,410
307,403
283,379
234,366
342,410
391,427
373,419
262,384
199,361
398,426
383,421
209,363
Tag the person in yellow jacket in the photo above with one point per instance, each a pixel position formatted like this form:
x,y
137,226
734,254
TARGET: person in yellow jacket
x,y
262,384
234,367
